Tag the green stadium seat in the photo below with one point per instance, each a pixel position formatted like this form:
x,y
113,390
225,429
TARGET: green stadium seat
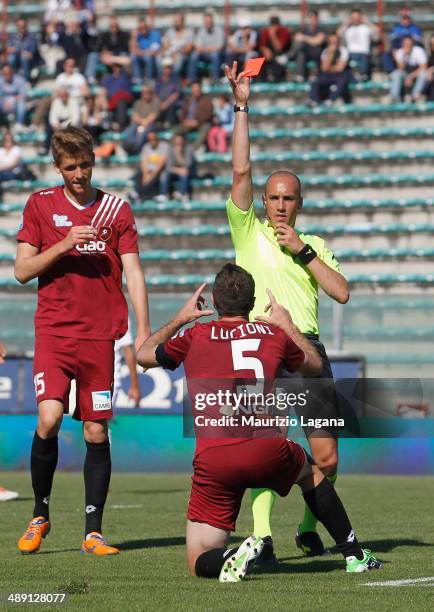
x,y
329,204
180,280
324,156
343,109
323,230
226,254
345,180
310,180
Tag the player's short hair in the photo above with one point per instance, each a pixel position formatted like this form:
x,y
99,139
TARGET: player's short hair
x,y
233,292
72,141
287,173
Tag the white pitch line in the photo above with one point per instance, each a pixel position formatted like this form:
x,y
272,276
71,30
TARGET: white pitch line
x,y
121,507
400,582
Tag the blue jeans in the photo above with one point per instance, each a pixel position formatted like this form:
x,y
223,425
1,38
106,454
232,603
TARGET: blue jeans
x,y
91,65
134,139
9,175
18,110
19,61
363,62
213,58
397,84
140,63
168,178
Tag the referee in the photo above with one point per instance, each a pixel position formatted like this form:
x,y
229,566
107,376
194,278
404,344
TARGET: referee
x,y
292,265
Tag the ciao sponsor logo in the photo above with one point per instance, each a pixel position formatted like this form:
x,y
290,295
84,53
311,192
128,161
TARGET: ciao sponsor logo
x,y
91,247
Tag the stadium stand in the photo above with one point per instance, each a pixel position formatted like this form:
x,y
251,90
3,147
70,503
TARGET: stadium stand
x,y
366,169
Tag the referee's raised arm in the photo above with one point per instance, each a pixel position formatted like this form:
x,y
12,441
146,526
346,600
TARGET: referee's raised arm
x,y
242,187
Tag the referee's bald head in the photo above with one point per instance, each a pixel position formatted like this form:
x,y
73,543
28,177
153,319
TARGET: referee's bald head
x,y
286,175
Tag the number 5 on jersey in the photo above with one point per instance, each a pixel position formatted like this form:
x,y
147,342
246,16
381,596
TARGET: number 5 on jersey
x,y
39,383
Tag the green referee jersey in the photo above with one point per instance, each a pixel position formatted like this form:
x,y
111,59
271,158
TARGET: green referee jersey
x,y
275,268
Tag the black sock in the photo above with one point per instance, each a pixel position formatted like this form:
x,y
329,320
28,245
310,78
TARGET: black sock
x,y
210,563
325,504
97,471
43,461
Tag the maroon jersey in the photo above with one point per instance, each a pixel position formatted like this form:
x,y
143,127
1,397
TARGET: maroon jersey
x,y
229,350
81,296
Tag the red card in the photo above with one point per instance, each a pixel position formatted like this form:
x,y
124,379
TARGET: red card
x,y
253,66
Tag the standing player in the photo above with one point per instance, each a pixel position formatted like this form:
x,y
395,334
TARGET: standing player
x,y
77,240
292,265
226,465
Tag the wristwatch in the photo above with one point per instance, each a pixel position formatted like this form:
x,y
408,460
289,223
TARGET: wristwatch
x,y
244,109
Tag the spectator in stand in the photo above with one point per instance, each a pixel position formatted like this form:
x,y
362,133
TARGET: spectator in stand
x,y
334,78
243,43
223,123
274,44
13,97
145,114
96,119
23,50
144,46
308,45
92,36
430,72
114,45
179,171
72,80
404,28
64,110
410,73
177,44
117,95
358,33
11,163
168,89
51,52
56,10
72,42
80,10
208,47
149,178
196,115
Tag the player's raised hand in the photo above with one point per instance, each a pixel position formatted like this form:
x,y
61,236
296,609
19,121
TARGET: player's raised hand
x,y
240,83
79,234
277,314
195,307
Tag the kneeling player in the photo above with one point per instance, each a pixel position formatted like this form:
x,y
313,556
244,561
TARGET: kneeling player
x,y
225,466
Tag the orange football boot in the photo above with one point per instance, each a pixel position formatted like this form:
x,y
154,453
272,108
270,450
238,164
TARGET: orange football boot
x,y
30,542
95,544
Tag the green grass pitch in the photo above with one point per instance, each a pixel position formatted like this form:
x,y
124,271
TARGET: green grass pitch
x,y
145,517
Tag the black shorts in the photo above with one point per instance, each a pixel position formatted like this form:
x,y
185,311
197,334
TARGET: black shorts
x,y
322,401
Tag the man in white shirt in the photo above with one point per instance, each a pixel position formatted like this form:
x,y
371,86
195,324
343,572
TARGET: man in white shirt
x,y
72,80
357,33
411,61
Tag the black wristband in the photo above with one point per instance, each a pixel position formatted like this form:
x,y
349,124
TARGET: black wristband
x,y
306,254
244,109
